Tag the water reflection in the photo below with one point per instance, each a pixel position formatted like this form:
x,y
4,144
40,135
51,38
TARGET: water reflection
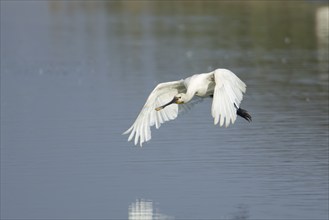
x,y
322,33
242,213
143,209
150,33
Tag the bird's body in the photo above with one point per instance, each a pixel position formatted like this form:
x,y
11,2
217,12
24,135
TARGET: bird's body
x,y
168,99
199,84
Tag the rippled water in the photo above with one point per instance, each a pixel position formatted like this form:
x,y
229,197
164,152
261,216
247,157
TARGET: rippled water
x,y
74,76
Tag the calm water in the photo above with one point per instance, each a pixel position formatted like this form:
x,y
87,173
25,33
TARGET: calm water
x,y
74,76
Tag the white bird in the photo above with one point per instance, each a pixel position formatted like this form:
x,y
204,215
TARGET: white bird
x,y
168,99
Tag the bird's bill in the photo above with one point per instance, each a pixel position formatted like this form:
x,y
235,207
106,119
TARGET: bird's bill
x,y
174,100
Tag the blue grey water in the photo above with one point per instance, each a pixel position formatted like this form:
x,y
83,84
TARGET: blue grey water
x,y
74,75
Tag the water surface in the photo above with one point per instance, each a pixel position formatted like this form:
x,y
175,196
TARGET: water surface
x,y
74,76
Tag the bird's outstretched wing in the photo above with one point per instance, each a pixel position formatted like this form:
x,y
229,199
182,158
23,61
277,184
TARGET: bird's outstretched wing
x,y
148,117
228,94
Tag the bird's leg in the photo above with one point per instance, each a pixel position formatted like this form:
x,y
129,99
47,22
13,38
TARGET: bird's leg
x,y
244,114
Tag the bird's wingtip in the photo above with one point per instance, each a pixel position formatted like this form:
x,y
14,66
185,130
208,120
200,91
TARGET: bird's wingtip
x,y
127,131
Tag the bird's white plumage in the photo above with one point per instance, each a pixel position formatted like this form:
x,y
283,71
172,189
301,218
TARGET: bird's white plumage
x,y
227,90
228,94
149,117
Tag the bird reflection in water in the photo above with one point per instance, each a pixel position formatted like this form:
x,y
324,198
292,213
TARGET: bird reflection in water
x,y
143,209
242,213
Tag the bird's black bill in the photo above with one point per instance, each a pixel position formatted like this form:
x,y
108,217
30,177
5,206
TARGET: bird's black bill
x,y
169,103
244,114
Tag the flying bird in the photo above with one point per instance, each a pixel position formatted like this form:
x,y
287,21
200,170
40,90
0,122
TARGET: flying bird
x,y
168,99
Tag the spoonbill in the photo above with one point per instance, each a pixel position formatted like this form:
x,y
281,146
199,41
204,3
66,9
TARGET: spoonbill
x,y
168,99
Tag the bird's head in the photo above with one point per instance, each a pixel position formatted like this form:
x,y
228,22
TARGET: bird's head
x,y
178,99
